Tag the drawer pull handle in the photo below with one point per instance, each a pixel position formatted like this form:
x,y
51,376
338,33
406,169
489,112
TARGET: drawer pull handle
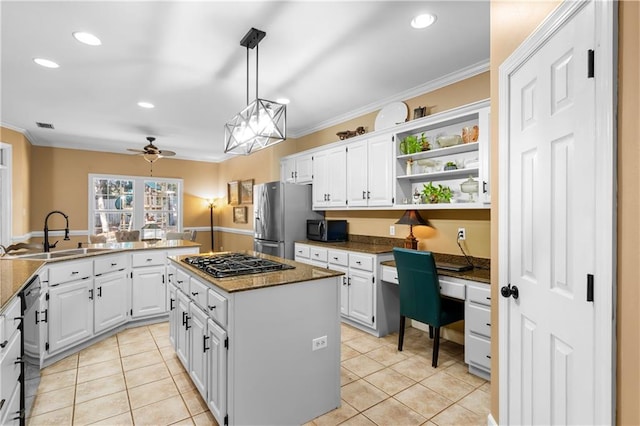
x,y
90,294
3,345
488,298
179,281
488,356
395,278
100,291
19,361
204,343
186,325
149,260
171,307
316,254
74,272
2,403
211,307
194,293
335,258
358,262
488,324
114,263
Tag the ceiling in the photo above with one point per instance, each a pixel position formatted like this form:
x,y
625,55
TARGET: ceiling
x,y
333,60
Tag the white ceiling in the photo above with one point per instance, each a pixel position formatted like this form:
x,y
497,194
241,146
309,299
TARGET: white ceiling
x,y
332,59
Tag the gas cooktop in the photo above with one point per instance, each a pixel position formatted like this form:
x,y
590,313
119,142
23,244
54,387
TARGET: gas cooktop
x,y
233,264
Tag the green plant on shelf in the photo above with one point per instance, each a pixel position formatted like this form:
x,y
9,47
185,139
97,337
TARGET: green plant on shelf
x,y
410,145
424,141
436,194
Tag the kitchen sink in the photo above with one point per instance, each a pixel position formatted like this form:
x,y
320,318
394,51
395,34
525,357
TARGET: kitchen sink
x,y
61,253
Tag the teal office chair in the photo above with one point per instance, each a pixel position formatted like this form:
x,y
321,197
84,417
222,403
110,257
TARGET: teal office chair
x,y
420,296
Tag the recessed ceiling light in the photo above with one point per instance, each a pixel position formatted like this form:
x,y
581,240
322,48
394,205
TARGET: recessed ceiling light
x,y
283,101
423,21
45,63
146,105
87,38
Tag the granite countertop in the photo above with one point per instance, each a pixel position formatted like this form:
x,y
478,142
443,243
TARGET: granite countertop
x,y
302,272
14,274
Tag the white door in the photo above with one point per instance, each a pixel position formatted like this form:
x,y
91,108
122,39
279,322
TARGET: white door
x,y
217,371
70,314
197,344
111,305
357,174
380,171
148,296
361,294
548,365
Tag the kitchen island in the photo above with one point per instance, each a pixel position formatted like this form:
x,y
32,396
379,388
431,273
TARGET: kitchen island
x,y
261,348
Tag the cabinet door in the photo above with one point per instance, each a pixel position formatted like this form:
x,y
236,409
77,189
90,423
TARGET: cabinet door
x,y
197,354
70,314
336,171
361,297
288,170
182,333
357,190
217,370
110,300
171,279
344,288
173,313
484,154
380,171
304,169
148,291
320,182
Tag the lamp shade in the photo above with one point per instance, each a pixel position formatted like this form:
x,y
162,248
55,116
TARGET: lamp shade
x,y
412,217
262,123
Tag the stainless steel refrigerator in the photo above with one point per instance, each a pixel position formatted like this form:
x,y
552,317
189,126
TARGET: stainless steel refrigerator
x,y
280,217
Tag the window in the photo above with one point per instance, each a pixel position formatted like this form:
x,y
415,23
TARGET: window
x,y
126,203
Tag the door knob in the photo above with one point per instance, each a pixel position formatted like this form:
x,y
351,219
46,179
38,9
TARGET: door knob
x,y
510,290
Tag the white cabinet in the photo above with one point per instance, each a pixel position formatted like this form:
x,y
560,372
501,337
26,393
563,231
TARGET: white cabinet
x,y
329,178
70,313
297,169
216,369
182,334
148,295
10,338
173,312
370,172
197,340
477,332
444,164
361,285
111,300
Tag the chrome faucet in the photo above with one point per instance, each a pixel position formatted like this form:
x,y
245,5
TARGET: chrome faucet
x,y
48,246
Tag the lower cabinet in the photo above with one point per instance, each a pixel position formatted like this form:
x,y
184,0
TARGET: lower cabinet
x,y
197,342
111,300
148,295
477,330
70,313
10,363
182,333
216,369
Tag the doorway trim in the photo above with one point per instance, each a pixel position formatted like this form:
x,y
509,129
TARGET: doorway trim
x,y
606,188
6,204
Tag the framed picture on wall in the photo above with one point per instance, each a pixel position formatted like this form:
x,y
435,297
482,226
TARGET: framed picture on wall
x,y
233,194
240,214
246,191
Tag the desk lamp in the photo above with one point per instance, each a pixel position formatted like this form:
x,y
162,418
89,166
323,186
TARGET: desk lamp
x,y
412,218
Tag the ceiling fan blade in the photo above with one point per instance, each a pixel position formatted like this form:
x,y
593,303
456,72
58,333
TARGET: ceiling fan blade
x,y
137,151
166,153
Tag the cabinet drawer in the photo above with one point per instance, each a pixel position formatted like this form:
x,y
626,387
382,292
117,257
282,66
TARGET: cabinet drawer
x,y
318,254
183,251
198,292
389,274
70,271
478,351
182,281
149,258
478,320
479,294
10,412
452,289
217,307
106,264
8,323
9,369
302,251
359,261
338,258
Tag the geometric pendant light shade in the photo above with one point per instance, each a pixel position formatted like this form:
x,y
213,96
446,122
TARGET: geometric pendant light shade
x,y
262,123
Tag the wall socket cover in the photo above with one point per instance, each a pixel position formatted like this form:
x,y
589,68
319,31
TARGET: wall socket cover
x,y
319,343
462,234
392,230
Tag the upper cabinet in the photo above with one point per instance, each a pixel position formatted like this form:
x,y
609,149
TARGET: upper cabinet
x,y
440,161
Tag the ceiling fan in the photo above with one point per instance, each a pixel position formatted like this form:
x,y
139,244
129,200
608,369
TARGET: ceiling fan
x,y
151,152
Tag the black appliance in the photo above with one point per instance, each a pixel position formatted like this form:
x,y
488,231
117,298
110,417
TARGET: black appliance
x,y
327,230
31,323
233,264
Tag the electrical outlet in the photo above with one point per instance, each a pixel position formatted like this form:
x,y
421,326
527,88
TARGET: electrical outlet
x,y
462,234
392,230
319,343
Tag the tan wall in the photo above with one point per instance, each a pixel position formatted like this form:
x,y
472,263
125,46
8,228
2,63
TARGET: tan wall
x,y
59,181
511,23
628,325
20,178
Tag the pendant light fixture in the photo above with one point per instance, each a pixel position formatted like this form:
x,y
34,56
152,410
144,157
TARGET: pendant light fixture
x,y
262,123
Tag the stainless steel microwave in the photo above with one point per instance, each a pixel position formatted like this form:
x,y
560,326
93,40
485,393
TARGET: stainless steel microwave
x,y
327,230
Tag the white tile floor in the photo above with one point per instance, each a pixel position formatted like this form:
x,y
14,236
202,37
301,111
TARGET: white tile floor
x,y
136,378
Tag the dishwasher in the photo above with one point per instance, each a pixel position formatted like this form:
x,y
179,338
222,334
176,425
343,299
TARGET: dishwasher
x,y
33,320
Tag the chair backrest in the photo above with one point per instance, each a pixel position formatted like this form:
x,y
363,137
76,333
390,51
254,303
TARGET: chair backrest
x,y
97,238
186,235
419,285
123,236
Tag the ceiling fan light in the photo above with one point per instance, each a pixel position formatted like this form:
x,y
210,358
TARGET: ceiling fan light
x,y
147,105
87,38
47,63
423,21
150,157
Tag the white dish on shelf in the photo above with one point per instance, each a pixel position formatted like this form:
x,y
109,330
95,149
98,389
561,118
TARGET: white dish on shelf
x,y
391,114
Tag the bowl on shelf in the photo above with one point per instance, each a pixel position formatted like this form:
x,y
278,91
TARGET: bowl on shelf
x,y
470,186
449,140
